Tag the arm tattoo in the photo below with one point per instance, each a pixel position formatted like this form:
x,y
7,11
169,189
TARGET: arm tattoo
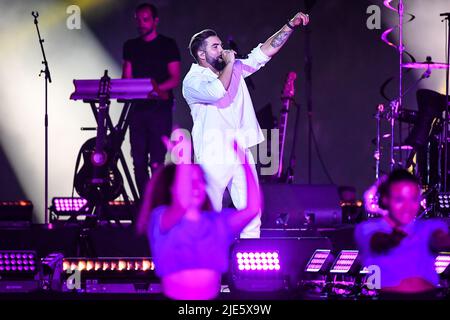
x,y
280,39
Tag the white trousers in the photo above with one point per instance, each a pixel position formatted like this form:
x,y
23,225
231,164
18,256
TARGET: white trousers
x,y
232,177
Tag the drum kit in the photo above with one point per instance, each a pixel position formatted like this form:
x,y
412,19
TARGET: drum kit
x,y
431,121
403,115
426,150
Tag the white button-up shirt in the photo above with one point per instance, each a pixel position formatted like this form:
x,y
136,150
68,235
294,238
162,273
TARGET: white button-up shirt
x,y
220,115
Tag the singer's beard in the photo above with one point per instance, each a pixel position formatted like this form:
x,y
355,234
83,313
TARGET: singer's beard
x,y
216,63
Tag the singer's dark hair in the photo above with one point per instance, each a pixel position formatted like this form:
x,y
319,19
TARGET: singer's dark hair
x,y
148,6
198,42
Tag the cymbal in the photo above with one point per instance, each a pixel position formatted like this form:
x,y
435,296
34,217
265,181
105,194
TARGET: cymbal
x,y
425,65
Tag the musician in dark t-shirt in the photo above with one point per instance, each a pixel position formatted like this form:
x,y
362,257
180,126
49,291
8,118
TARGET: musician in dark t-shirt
x,y
154,56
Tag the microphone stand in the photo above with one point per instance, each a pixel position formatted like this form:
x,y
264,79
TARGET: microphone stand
x,y
292,157
401,50
308,95
447,80
47,79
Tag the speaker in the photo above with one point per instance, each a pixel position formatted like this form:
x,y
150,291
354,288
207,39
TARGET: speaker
x,y
297,206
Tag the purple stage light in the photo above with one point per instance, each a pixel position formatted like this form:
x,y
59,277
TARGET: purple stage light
x,y
345,261
256,261
108,264
68,204
318,260
14,261
442,262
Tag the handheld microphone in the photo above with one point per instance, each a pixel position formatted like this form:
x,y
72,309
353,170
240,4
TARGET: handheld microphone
x,y
233,46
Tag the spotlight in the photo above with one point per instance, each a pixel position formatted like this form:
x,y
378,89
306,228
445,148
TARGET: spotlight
x,y
67,207
345,262
19,271
272,264
442,262
109,275
100,265
258,261
443,202
320,261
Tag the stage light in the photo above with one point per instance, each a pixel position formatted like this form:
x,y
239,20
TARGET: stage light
x,y
108,264
345,262
73,207
442,262
10,261
443,202
111,275
19,271
69,205
272,264
257,261
147,265
122,265
320,261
